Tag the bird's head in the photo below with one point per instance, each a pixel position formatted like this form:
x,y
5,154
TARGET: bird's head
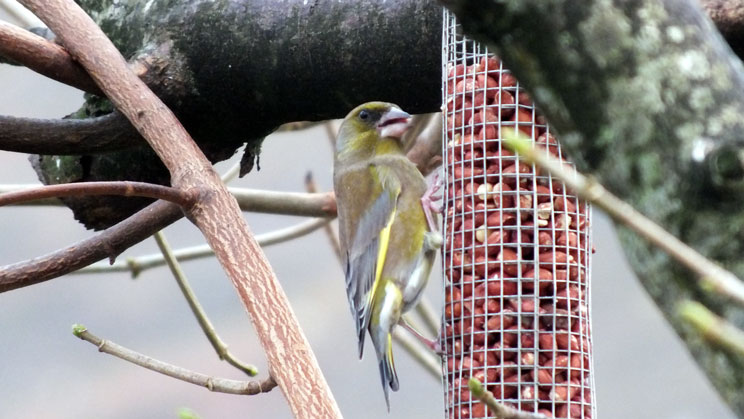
x,y
368,125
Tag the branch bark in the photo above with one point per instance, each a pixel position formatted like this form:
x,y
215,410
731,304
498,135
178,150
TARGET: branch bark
x,y
292,364
182,198
43,57
647,97
67,136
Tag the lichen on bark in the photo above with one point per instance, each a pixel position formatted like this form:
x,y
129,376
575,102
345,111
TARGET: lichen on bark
x,y
646,96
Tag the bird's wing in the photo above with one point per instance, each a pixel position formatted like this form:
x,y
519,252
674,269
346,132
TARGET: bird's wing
x,y
367,242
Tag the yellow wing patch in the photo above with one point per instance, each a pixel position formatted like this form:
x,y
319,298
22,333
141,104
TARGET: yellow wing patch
x,y
381,253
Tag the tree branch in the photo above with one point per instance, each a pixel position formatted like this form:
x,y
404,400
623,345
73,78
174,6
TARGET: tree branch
x,y
196,308
501,411
291,361
67,136
124,188
711,276
108,244
114,240
43,57
137,265
322,204
221,385
713,328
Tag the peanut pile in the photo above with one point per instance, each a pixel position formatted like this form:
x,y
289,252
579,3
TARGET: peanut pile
x,y
516,257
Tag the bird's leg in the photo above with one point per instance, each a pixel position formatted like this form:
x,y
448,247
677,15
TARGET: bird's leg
x,y
432,344
428,202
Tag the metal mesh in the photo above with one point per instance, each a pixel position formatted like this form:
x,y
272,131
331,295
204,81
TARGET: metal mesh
x,y
517,250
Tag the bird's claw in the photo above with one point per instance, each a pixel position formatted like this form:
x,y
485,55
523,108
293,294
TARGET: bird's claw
x,y
428,202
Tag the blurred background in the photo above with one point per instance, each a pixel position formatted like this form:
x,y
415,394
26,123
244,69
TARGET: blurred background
x,y
641,368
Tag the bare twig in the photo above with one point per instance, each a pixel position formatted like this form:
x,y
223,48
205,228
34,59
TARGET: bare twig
x,y
201,316
711,275
321,204
500,410
125,188
43,57
137,265
108,244
714,328
426,311
221,385
298,126
20,13
231,173
331,130
67,136
311,187
420,354
288,203
291,360
418,123
426,150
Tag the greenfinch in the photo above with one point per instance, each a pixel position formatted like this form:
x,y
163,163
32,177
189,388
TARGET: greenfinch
x,y
388,238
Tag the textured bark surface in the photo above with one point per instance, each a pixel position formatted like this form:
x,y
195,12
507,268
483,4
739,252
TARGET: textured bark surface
x,y
291,362
233,71
647,96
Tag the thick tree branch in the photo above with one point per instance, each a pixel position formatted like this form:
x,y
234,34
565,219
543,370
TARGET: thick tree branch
x,y
108,244
291,361
67,136
43,57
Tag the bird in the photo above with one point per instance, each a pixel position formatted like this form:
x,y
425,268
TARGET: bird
x,y
387,231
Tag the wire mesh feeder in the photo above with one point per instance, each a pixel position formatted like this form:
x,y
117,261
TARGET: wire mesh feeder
x,y
516,254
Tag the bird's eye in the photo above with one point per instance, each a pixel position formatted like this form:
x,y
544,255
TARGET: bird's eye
x,y
364,115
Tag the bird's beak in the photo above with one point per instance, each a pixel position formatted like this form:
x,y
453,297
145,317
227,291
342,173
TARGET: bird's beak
x,y
393,123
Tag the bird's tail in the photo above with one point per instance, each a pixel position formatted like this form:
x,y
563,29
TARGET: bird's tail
x,y
387,371
386,313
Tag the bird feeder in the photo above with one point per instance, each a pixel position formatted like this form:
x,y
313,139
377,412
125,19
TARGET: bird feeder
x,y
516,254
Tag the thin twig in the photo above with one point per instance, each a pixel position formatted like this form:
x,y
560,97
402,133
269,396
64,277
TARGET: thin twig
x,y
220,385
291,360
426,150
321,205
20,13
126,188
298,126
426,311
201,316
288,203
500,410
331,131
137,265
43,57
231,173
714,328
418,123
424,357
311,187
712,276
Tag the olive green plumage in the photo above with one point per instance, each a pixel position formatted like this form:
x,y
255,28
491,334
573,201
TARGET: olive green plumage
x,y
387,244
